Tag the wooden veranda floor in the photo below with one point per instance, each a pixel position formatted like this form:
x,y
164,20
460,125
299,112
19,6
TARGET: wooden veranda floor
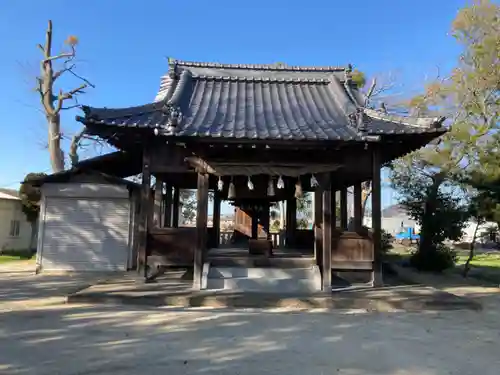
x,y
240,257
243,252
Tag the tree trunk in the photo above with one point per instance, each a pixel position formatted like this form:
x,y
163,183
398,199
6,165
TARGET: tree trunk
x,y
471,252
426,230
55,152
363,206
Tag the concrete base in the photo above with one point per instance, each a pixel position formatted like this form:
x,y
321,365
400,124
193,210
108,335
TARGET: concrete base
x,y
178,293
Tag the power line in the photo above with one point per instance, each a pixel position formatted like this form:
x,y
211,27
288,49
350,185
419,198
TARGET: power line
x,y
19,182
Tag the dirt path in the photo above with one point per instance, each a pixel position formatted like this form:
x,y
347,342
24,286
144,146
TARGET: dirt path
x,y
85,340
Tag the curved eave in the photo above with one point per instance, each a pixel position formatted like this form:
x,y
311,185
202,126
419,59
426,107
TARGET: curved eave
x,y
411,121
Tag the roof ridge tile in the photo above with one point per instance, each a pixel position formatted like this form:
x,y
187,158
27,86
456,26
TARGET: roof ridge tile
x,y
277,67
260,79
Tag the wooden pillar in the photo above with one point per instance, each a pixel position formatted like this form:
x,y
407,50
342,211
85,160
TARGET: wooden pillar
x,y
327,238
175,205
158,198
376,218
216,217
167,213
255,224
343,209
358,207
333,209
291,221
265,220
201,228
144,213
318,220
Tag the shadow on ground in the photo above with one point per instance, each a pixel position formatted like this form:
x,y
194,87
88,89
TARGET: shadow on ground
x,y
109,340
87,340
23,286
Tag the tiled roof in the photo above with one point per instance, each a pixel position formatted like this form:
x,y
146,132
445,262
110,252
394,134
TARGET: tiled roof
x,y
265,102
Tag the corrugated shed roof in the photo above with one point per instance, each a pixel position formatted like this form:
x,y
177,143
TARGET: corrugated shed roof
x,y
9,194
266,102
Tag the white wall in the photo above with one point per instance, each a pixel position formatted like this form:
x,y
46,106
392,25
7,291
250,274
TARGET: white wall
x,y
392,225
11,209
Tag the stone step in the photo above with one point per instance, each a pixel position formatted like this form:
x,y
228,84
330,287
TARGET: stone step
x,y
262,272
262,279
267,285
261,261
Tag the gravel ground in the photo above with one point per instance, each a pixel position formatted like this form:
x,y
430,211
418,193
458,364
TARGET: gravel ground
x,y
85,339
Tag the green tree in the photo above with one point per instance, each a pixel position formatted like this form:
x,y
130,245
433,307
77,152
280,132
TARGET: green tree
x,y
30,198
427,179
475,212
484,179
304,210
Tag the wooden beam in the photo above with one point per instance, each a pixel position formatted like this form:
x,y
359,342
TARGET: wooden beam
x,y
333,209
266,222
376,218
167,213
158,197
282,155
255,225
327,240
358,207
199,164
144,214
343,209
201,228
318,220
168,158
176,206
291,221
216,217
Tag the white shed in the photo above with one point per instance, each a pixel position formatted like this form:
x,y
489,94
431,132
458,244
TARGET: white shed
x,y
87,223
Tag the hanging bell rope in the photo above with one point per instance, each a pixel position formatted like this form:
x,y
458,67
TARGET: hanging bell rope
x,y
298,189
314,181
231,193
250,183
281,183
220,184
270,188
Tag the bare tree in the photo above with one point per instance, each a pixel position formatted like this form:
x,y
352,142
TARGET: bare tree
x,y
53,101
378,93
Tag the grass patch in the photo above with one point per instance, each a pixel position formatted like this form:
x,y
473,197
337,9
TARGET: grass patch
x,y
482,260
11,255
485,266
16,258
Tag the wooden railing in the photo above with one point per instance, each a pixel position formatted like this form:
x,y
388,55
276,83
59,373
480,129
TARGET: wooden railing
x,y
225,239
352,250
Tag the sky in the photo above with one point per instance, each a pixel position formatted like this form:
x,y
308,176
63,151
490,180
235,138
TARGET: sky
x,y
124,45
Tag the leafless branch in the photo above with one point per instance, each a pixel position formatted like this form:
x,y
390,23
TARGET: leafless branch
x,y
71,106
370,90
62,71
68,95
82,78
60,56
73,148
